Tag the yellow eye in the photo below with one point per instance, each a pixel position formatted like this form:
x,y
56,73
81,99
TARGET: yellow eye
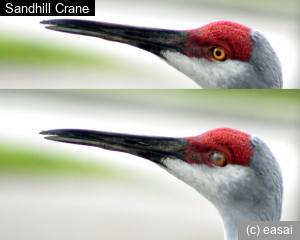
x,y
218,159
219,54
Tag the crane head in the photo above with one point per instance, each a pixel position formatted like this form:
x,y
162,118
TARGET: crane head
x,y
235,171
228,55
218,55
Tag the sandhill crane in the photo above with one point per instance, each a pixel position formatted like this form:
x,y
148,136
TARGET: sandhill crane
x,y
218,55
235,171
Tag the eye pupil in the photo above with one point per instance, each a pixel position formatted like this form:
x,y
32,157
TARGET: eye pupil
x,y
218,53
218,157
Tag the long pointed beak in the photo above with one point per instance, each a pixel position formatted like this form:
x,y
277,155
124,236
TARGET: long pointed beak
x,y
150,39
152,148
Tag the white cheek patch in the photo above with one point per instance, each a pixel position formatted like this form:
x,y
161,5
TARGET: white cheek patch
x,y
213,183
205,73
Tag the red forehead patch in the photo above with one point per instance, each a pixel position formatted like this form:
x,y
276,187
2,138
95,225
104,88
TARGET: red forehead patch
x,y
233,37
236,144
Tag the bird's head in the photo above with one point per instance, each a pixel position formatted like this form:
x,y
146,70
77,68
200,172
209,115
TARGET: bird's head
x,y
219,55
235,171
227,55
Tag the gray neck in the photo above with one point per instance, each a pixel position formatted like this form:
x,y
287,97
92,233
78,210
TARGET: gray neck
x,y
265,61
260,199
231,219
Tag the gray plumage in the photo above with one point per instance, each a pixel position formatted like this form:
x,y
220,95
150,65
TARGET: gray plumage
x,y
258,196
265,62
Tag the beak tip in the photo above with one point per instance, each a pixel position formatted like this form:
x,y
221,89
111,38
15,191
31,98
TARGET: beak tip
x,y
45,22
43,132
50,22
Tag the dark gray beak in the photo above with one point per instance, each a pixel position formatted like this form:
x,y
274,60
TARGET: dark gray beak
x,y
152,148
150,39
